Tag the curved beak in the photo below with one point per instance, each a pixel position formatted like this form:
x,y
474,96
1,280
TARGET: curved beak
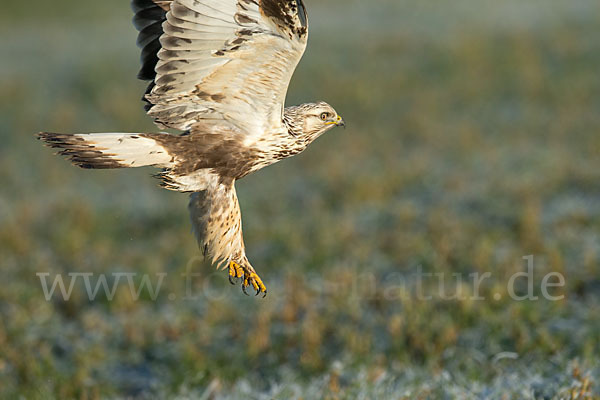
x,y
340,122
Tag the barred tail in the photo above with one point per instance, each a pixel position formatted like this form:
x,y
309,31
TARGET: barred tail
x,y
109,150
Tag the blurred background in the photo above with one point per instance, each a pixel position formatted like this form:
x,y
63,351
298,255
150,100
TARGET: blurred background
x,y
472,141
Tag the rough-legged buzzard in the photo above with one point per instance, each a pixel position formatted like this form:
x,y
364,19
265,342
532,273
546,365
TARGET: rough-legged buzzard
x,y
219,72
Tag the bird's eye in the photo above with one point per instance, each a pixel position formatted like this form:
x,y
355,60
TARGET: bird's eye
x,y
324,116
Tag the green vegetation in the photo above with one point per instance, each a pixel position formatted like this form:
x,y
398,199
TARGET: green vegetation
x,y
472,141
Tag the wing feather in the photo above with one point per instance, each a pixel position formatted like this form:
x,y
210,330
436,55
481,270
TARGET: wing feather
x,y
220,59
184,65
149,34
183,13
178,43
223,10
174,21
148,19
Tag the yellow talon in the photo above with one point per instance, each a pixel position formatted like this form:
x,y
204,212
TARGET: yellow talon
x,y
253,279
235,271
248,278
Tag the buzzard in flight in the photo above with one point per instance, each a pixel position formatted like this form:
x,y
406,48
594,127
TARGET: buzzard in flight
x,y
219,72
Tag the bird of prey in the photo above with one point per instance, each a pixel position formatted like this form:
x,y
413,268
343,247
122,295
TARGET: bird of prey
x,y
219,72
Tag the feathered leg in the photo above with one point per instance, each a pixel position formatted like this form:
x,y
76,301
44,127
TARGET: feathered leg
x,y
217,223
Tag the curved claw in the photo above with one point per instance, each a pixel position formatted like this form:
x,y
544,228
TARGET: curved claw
x,y
244,290
235,272
249,278
252,279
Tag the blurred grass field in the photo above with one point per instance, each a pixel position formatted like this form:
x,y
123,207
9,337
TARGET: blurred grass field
x,y
473,141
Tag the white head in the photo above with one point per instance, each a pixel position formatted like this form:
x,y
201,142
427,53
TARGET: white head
x,y
309,121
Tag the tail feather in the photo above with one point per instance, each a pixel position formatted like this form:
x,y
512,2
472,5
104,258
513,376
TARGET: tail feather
x,y
109,150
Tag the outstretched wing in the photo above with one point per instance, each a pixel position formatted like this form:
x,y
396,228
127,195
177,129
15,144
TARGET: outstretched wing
x,y
227,60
